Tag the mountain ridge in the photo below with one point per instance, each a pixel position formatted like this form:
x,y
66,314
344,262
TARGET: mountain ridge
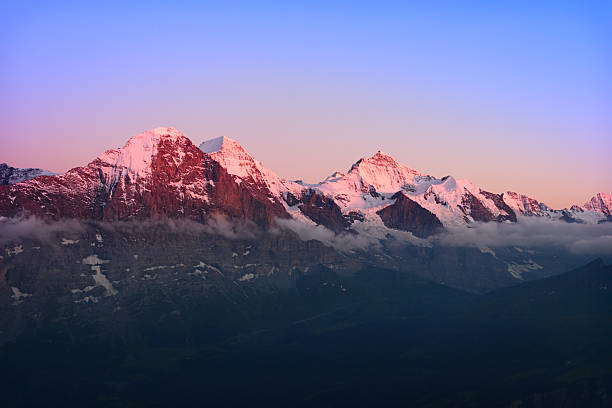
x,y
161,172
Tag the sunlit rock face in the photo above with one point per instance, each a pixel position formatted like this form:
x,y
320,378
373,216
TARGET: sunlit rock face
x,y
158,173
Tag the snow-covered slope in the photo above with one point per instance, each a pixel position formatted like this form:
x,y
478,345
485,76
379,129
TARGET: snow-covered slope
x,y
12,175
523,205
239,163
136,157
594,211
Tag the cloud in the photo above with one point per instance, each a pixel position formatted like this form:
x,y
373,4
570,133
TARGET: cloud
x,y
344,241
366,235
15,229
34,228
532,232
529,232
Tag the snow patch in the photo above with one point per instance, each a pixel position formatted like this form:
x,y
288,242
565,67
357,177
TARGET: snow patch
x,y
17,249
18,295
205,265
517,269
99,278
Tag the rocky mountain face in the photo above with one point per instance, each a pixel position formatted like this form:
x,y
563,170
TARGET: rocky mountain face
x,y
407,215
159,173
13,175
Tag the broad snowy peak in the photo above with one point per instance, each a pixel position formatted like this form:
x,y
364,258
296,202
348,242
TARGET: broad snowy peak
x,y
137,154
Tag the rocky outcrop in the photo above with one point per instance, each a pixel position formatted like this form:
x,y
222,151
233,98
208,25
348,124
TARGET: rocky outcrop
x,y
473,207
506,213
322,210
406,214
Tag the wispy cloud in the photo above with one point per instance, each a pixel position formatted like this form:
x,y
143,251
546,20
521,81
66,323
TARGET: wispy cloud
x,y
14,229
585,239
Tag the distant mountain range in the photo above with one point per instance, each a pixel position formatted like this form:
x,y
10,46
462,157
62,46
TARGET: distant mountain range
x,y
161,173
13,175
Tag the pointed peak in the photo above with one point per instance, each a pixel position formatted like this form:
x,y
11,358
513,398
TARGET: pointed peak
x,y
382,155
381,159
221,143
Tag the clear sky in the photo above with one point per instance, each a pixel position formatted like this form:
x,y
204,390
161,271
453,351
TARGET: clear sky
x,y
512,97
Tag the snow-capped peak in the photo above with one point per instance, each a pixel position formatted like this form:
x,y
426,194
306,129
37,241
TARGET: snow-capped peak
x,y
383,172
238,162
137,154
601,202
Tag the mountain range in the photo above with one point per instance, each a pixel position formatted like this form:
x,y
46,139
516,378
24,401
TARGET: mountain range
x,y
175,274
161,173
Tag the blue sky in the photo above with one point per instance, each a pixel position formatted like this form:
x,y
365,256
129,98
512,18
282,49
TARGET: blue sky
x,y
512,96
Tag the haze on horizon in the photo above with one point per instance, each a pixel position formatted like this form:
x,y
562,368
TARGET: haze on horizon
x,y
512,97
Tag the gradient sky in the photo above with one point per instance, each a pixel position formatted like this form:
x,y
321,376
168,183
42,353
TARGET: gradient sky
x,y
512,97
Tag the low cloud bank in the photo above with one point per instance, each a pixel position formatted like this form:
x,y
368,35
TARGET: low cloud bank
x,y
343,241
368,235
15,229
582,239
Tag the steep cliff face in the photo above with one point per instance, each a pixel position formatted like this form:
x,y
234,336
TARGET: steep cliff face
x,y
406,214
322,210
